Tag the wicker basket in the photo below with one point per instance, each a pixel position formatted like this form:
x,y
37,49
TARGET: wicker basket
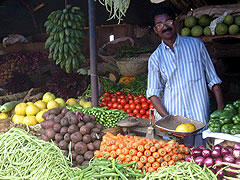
x,y
4,123
132,66
113,131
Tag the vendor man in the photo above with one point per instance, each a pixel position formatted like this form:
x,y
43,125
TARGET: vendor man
x,y
179,72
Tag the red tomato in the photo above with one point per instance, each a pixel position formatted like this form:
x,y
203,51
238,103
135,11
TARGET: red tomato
x,y
145,105
149,102
131,101
107,94
151,106
138,106
100,105
144,117
143,99
114,99
135,111
141,96
131,114
115,105
119,93
103,99
147,113
119,100
138,115
129,111
126,106
130,97
123,101
120,106
137,101
142,111
108,99
132,106
110,105
122,96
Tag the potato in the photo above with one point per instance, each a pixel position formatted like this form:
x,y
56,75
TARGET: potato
x,y
73,120
50,117
45,115
96,130
80,124
64,111
97,144
63,145
57,127
74,155
69,114
54,111
44,137
101,134
76,137
65,153
79,159
92,117
90,125
47,124
64,122
86,118
88,155
58,137
85,163
94,136
50,133
63,130
58,118
67,137
80,148
73,128
87,138
72,145
84,130
90,146
99,126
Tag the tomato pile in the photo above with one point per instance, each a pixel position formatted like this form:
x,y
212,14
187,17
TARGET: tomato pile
x,y
137,106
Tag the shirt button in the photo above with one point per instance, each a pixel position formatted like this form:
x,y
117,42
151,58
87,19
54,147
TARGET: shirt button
x,y
169,88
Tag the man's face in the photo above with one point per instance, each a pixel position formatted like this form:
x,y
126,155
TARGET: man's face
x,y
164,26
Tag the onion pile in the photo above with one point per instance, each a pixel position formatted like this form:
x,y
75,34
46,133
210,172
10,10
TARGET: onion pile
x,y
217,158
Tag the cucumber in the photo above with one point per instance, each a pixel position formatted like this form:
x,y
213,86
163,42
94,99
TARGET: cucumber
x,y
7,107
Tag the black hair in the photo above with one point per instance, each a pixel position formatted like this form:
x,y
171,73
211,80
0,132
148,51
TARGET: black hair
x,y
161,11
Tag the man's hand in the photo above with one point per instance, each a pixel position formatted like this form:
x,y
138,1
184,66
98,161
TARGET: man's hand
x,y
218,95
158,106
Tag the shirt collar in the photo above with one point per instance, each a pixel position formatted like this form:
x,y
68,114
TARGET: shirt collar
x,y
176,43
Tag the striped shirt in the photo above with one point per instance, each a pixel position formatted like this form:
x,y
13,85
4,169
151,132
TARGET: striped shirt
x,y
182,78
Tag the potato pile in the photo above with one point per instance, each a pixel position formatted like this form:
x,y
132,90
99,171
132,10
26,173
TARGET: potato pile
x,y
73,131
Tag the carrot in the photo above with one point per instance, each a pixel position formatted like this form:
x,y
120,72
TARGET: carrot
x,y
172,146
143,159
160,159
186,150
108,142
151,159
180,156
164,164
139,154
118,160
121,157
140,165
140,148
106,154
147,153
177,145
128,157
154,141
129,145
148,165
102,147
118,151
147,146
156,165
157,146
109,149
153,149
150,142
175,157
162,152
167,149
112,141
125,151
181,149
125,162
167,158
171,142
114,147
133,152
162,143
113,154
151,169
182,160
176,151
171,153
135,158
98,154
121,145
171,163
155,155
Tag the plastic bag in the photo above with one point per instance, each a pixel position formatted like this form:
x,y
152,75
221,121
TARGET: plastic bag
x,y
216,21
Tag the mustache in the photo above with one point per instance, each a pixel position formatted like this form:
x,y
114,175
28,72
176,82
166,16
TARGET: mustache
x,y
166,30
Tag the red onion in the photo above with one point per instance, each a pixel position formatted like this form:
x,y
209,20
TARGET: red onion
x,y
202,147
228,158
199,160
221,173
236,153
237,146
216,153
224,151
218,146
208,161
206,153
237,161
188,158
229,173
218,160
196,152
230,148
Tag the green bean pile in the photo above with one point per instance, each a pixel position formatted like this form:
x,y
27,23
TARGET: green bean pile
x,y
184,170
110,170
108,118
24,156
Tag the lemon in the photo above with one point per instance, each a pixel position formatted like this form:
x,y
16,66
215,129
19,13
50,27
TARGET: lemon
x,y
20,109
39,117
4,115
52,104
29,120
48,97
41,104
60,102
17,119
87,104
29,103
186,127
82,102
32,110
71,102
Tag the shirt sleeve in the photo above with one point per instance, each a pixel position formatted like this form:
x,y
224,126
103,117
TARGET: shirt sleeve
x,y
210,72
155,82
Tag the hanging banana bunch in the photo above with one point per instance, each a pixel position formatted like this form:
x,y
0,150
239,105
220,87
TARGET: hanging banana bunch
x,y
65,29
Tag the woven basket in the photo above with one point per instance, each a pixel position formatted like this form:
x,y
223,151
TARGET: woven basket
x,y
132,66
113,131
4,123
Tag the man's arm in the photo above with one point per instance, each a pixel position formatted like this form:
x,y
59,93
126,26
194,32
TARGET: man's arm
x,y
218,96
156,102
